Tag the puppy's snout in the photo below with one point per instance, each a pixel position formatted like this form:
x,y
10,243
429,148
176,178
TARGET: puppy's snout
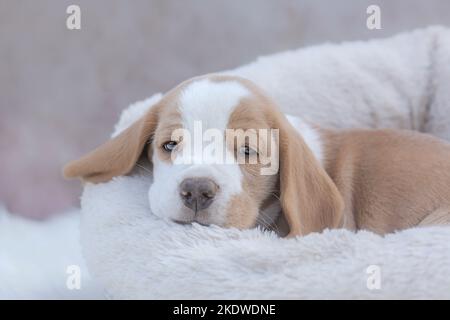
x,y
198,193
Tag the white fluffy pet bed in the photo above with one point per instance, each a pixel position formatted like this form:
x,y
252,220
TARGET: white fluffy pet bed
x,y
396,82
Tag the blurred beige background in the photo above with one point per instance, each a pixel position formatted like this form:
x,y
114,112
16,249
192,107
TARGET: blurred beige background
x,y
61,91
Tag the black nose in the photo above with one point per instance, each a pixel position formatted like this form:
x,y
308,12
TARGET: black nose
x,y
198,193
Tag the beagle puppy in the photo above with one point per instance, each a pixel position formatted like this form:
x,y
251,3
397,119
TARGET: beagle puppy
x,y
379,180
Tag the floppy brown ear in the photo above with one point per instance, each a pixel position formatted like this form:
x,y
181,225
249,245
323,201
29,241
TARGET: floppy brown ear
x,y
309,198
117,156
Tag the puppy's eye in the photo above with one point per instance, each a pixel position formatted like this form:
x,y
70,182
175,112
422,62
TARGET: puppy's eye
x,y
169,146
248,151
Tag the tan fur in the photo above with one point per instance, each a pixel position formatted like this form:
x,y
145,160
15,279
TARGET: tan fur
x,y
439,217
309,199
117,156
243,210
390,179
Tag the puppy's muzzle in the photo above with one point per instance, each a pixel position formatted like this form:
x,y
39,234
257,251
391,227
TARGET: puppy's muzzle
x,y
198,193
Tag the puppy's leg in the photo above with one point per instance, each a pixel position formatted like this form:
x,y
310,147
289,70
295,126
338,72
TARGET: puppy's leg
x,y
439,217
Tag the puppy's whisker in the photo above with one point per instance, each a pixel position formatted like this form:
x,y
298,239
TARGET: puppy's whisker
x,y
143,168
261,220
275,196
273,225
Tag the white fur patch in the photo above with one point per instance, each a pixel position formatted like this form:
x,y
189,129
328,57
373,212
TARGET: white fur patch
x,y
210,102
309,134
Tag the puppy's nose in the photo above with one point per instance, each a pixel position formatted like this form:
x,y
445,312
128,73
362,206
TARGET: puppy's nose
x,y
198,193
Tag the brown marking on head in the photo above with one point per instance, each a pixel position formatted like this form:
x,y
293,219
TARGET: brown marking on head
x,y
309,199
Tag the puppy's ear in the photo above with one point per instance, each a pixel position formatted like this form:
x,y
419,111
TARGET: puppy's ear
x,y
310,200
117,156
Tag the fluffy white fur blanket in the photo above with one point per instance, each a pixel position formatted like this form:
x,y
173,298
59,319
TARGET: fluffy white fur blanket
x,y
382,83
136,255
35,256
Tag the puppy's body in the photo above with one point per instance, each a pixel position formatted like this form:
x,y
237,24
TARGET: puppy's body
x,y
389,179
381,180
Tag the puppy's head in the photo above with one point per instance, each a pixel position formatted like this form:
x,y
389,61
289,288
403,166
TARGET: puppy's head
x,y
221,153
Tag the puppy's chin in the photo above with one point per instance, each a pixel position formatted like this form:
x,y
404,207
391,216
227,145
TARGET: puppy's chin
x,y
192,221
203,218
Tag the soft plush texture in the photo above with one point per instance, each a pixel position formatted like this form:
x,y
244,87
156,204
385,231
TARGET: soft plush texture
x,y
400,82
35,255
136,255
382,83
